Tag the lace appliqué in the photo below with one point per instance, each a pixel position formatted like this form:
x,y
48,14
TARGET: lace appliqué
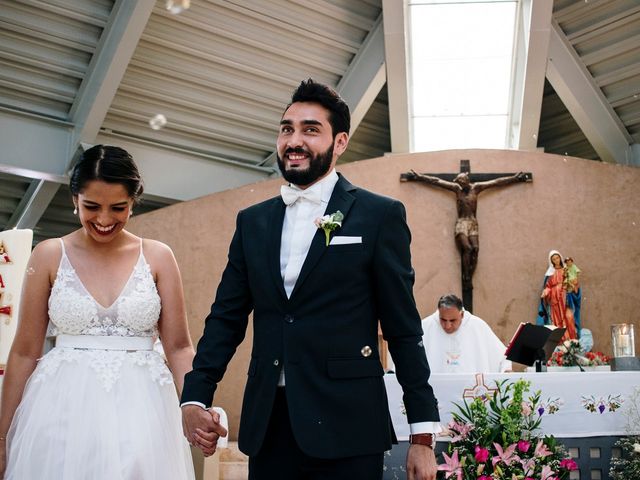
x,y
73,310
107,364
135,309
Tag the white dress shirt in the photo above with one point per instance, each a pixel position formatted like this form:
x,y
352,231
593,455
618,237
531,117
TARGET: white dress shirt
x,y
299,228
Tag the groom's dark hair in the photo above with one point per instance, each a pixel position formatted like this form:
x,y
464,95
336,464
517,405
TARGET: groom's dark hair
x,y
311,91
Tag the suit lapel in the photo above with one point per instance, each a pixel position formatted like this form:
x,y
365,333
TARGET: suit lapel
x,y
274,234
341,200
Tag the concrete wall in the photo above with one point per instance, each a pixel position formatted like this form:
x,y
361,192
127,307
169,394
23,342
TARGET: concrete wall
x,y
584,209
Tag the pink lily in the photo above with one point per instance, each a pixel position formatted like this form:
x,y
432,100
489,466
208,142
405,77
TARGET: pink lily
x,y
528,466
505,456
462,429
541,450
452,466
547,473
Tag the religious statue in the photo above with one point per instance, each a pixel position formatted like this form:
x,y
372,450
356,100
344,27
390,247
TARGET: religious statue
x,y
466,228
554,308
574,292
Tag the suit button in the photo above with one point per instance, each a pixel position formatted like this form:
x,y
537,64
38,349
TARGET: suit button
x,y
276,362
366,351
288,318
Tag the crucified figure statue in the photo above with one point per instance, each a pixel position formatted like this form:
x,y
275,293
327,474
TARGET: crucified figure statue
x,y
466,228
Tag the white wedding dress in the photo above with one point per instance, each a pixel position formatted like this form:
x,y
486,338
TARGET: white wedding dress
x,y
102,404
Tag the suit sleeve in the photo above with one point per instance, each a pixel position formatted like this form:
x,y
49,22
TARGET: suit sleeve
x,y
225,326
399,319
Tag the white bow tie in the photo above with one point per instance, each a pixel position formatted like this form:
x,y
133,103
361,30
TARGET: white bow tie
x,y
290,195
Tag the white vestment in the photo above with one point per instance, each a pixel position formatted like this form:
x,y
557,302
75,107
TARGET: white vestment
x,y
473,348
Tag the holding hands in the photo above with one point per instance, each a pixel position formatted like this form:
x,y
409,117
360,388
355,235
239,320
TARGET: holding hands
x,y
202,428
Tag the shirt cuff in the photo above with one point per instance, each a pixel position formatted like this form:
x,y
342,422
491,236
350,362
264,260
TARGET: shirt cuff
x,y
194,403
425,427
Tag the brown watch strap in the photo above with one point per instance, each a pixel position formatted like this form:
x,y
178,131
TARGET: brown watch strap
x,y
422,439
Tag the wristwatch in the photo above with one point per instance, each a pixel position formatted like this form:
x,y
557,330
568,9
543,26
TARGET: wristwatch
x,y
422,439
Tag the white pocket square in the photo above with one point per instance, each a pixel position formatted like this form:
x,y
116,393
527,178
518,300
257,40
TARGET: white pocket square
x,y
342,240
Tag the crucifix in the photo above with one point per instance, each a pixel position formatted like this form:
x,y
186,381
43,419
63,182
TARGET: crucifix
x,y
467,187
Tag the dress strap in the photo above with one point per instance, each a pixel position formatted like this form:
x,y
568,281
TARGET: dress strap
x,y
141,257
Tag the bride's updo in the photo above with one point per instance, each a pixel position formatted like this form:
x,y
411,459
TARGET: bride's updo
x,y
109,164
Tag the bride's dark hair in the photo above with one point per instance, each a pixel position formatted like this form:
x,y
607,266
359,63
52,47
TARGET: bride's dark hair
x,y
109,164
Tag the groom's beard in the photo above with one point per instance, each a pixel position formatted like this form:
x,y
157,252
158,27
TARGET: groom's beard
x,y
319,165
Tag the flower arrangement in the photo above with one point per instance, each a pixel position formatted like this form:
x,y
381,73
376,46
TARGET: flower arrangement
x,y
329,223
495,438
571,353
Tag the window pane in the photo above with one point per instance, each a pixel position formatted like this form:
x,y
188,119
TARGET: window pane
x,y
460,67
443,133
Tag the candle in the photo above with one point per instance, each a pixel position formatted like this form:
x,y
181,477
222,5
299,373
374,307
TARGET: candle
x,y
623,340
623,344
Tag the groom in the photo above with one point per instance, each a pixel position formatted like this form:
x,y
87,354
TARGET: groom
x,y
315,405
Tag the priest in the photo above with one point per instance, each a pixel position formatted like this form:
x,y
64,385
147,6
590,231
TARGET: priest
x,y
458,342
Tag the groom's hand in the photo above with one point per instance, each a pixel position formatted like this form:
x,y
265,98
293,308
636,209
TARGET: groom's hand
x,y
202,428
421,463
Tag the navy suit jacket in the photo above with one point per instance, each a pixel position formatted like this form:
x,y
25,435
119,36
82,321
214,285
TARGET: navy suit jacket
x,y
336,395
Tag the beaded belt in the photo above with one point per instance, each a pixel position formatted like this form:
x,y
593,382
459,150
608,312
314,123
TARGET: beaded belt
x,y
98,342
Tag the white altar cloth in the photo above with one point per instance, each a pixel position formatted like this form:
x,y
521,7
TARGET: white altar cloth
x,y
589,403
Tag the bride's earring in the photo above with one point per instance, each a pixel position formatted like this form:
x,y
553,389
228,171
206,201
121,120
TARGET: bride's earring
x,y
75,211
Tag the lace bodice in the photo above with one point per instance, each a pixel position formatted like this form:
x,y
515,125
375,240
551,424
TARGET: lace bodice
x,y
135,313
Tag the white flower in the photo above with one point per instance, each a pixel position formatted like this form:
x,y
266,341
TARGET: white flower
x,y
636,447
329,223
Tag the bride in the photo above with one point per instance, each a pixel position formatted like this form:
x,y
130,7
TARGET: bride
x,y
102,404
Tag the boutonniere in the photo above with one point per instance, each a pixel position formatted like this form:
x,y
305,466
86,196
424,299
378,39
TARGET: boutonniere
x,y
329,223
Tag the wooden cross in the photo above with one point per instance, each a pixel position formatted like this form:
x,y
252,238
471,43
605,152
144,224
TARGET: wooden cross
x,y
479,390
466,230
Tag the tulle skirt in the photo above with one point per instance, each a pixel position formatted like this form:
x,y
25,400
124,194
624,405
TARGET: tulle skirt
x,y
98,415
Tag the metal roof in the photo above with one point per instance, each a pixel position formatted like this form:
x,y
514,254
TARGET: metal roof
x,y
78,72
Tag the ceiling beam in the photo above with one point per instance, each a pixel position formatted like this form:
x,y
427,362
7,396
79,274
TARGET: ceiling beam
x,y
33,204
362,81
108,65
33,143
530,63
365,76
585,101
176,174
396,30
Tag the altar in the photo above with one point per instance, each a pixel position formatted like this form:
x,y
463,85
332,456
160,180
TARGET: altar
x,y
574,404
586,411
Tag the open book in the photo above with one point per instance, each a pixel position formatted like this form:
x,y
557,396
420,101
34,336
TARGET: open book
x,y
533,343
